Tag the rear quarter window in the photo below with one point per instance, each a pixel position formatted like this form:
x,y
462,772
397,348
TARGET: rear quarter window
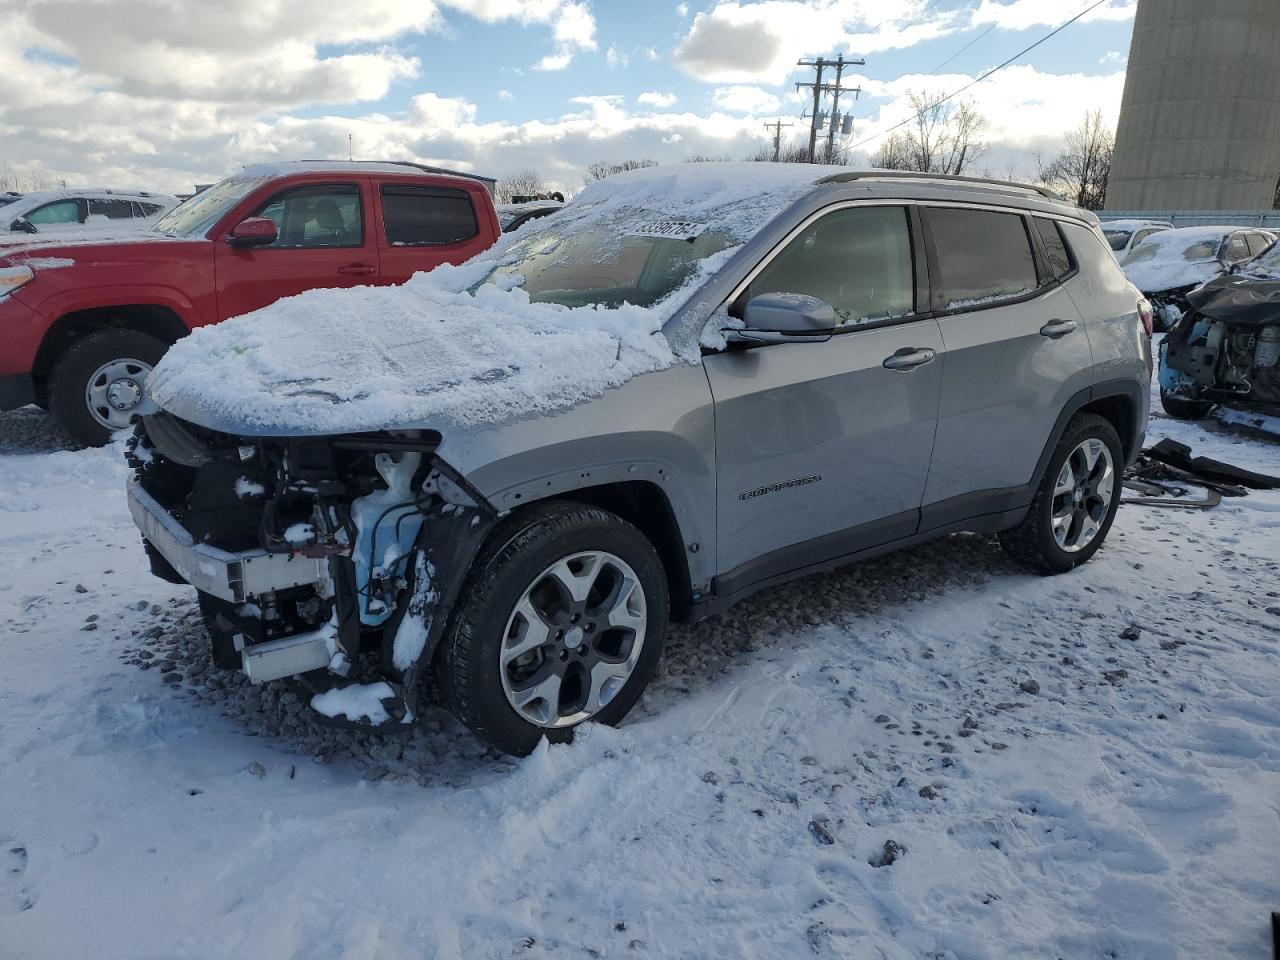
x,y
1055,248
983,256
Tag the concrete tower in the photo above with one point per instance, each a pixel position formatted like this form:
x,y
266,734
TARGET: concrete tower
x,y
1200,120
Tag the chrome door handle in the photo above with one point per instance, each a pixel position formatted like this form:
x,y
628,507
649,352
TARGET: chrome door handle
x,y
1057,328
908,358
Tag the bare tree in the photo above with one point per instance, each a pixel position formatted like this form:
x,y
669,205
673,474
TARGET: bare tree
x,y
525,183
603,168
1082,168
708,158
942,137
790,153
32,180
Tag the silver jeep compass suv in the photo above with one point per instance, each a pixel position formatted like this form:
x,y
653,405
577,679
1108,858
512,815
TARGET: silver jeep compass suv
x,y
506,477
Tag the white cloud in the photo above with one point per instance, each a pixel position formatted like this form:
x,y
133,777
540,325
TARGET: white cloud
x,y
655,98
506,95
682,9
1022,14
1112,56
745,99
760,41
615,57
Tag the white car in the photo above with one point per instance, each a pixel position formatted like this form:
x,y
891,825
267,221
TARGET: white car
x,y
1124,235
82,211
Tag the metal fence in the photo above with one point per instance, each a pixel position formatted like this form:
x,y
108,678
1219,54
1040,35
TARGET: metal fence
x,y
1194,218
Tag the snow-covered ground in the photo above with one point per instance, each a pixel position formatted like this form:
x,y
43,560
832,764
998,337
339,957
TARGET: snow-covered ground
x,y
1084,766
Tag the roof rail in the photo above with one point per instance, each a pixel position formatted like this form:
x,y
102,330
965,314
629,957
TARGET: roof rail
x,y
944,177
489,182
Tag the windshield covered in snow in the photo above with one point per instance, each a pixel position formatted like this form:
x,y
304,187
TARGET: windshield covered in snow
x,y
195,217
635,257
1203,248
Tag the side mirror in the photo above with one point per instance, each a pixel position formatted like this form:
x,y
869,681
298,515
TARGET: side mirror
x,y
22,225
252,232
785,318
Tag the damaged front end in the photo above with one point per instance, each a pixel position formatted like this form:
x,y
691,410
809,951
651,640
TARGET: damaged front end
x,y
334,558
1226,347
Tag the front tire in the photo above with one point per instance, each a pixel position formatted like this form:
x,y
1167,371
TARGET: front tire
x,y
1076,502
97,384
562,621
1182,409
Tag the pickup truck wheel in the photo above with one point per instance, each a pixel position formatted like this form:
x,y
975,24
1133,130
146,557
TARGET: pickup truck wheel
x,y
97,384
1182,409
1076,503
563,621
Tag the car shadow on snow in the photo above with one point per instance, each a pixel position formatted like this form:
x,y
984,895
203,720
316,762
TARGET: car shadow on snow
x,y
32,430
439,750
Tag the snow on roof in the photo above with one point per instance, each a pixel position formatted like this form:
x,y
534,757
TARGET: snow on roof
x,y
429,352
1133,223
287,167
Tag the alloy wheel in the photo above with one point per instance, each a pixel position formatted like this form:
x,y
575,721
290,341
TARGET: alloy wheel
x,y
573,639
1082,495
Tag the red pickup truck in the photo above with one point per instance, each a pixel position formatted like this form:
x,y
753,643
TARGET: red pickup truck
x,y
82,322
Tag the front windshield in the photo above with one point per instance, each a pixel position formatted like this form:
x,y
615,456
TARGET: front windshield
x,y
1117,238
195,217
637,258
1148,250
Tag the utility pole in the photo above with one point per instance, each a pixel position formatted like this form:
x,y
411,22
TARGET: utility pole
x,y
777,126
819,88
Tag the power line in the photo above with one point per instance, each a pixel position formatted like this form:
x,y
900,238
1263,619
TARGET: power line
x,y
964,48
951,96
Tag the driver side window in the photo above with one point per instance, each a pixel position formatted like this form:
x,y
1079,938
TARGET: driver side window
x,y
324,215
60,211
857,259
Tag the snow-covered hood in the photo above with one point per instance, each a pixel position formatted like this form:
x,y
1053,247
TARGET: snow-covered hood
x,y
1156,276
425,353
88,245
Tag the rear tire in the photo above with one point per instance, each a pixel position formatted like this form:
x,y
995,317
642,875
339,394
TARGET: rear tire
x,y
1182,409
525,657
97,383
1076,502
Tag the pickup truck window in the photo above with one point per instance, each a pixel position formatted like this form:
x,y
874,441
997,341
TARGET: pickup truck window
x,y
416,216
317,215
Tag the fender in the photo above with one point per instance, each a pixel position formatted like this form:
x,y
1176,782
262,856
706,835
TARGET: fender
x,y
59,304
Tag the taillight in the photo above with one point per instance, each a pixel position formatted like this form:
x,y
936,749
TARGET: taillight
x,y
1147,316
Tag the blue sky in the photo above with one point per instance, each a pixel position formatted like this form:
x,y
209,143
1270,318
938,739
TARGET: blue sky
x,y
162,96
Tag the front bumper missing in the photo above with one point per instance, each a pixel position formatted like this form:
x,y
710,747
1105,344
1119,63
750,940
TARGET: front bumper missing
x,y
233,577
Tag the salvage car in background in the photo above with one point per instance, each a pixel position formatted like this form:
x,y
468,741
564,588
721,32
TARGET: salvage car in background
x,y
513,216
1226,347
1124,235
688,385
84,322
1169,263
64,213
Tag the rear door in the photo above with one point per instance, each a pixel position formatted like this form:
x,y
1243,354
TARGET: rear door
x,y
426,225
821,450
1016,351
325,240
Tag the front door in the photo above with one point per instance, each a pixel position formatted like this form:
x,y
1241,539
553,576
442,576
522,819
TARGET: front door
x,y
821,449
325,240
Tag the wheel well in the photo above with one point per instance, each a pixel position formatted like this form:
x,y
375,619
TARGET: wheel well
x,y
644,505
1118,410
160,322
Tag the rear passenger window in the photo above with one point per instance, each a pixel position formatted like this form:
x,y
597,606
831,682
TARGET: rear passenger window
x,y
1257,243
982,256
111,209
414,216
857,259
1055,249
1236,249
